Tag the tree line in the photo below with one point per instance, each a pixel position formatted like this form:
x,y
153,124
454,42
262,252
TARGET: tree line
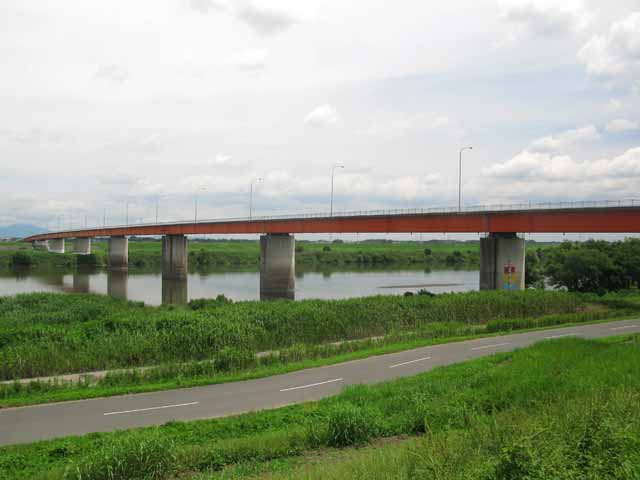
x,y
592,266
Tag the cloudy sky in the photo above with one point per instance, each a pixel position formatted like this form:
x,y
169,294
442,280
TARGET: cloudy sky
x,y
145,102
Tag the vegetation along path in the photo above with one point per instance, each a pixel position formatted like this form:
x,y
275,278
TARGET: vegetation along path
x,y
107,414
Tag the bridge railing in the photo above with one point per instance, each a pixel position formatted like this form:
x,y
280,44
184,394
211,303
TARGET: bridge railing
x,y
623,203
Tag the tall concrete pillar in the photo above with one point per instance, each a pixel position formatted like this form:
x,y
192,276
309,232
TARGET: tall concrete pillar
x,y
502,262
174,291
118,253
174,257
82,246
277,266
81,282
118,284
40,244
56,245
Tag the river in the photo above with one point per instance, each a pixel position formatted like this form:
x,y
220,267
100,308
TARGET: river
x,y
151,289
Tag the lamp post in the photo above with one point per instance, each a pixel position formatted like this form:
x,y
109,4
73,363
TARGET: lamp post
x,y
195,217
333,171
460,176
127,215
255,180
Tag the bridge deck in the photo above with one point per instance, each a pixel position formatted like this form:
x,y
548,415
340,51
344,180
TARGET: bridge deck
x,y
614,218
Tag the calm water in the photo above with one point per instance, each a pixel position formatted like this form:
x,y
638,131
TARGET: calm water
x,y
152,289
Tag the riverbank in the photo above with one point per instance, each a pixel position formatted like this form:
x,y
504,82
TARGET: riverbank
x,y
559,409
214,341
147,253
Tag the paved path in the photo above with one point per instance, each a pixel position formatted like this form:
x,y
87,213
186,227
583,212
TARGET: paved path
x,y
27,424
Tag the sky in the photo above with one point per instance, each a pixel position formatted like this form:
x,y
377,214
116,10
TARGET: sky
x,y
156,103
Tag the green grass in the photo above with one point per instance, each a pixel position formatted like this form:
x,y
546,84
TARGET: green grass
x,y
38,330
46,334
298,357
237,254
560,409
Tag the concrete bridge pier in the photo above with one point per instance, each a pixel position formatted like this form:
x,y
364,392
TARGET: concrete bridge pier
x,y
118,253
174,257
82,246
56,245
81,282
174,291
502,262
40,245
277,266
118,284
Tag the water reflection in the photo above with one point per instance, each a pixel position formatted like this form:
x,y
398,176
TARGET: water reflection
x,y
81,282
174,291
152,289
272,294
118,284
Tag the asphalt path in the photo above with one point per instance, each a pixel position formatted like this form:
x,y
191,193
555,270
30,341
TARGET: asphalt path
x,y
39,422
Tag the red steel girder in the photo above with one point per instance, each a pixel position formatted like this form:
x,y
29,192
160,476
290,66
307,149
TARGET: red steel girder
x,y
574,220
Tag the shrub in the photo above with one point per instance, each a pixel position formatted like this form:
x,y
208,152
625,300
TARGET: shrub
x,y
427,252
21,259
91,260
326,248
350,425
425,292
201,303
231,358
139,456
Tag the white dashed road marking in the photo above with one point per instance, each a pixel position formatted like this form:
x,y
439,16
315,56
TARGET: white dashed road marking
x,y
491,346
151,408
411,361
311,385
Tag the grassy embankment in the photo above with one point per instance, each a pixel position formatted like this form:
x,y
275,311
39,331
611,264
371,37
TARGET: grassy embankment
x,y
245,254
560,409
212,341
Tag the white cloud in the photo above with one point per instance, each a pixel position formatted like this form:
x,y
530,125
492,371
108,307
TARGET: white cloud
x,y
321,116
115,74
613,105
622,125
262,20
227,162
205,6
252,60
614,55
542,175
420,123
565,140
538,19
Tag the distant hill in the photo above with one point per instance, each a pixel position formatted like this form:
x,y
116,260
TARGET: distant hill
x,y
19,230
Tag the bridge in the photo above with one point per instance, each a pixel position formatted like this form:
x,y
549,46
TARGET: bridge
x,y
502,251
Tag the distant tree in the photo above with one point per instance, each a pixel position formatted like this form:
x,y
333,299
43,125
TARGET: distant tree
x,y
455,259
427,252
534,275
21,259
585,267
326,248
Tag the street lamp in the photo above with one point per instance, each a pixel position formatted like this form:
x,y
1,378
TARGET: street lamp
x,y
460,176
255,180
333,170
195,217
